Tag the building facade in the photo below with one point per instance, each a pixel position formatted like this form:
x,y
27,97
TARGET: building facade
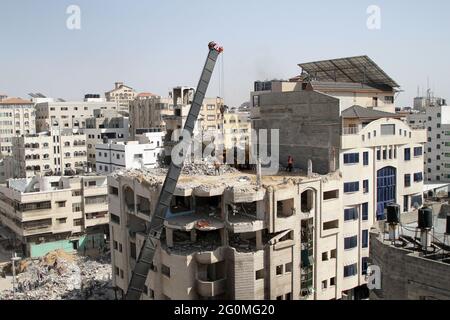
x,y
49,213
17,117
436,121
147,152
68,115
57,152
122,95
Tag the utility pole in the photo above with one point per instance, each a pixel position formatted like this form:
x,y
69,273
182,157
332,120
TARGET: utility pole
x,y
14,258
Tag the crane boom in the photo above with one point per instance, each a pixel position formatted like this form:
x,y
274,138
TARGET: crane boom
x,y
145,259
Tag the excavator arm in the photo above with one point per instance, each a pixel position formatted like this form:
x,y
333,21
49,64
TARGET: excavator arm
x,y
145,259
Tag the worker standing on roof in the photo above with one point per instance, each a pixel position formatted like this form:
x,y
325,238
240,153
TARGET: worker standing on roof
x,y
217,168
290,163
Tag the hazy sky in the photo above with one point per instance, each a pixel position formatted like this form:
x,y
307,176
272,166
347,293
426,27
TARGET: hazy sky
x,y
154,45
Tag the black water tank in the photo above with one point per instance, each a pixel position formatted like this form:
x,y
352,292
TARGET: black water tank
x,y
393,213
425,218
448,225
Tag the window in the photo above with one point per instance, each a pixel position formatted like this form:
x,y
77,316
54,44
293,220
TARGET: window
x,y
115,218
61,220
351,158
389,99
365,239
165,270
256,101
331,225
365,211
350,214
407,154
259,274
332,281
115,245
328,195
387,129
61,204
288,267
350,187
364,265
351,270
279,270
407,180
366,186
418,177
324,284
333,254
366,158
378,154
350,242
76,207
418,151
325,256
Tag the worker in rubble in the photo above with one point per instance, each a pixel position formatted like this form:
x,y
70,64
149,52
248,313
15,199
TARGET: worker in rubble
x,y
290,163
217,168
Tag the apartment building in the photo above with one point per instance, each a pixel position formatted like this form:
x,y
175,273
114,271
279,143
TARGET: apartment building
x,y
236,129
17,117
68,115
436,121
147,152
122,95
104,126
49,213
3,97
229,238
56,152
340,115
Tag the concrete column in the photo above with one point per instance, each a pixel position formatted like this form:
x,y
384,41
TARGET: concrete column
x,y
193,235
259,243
169,237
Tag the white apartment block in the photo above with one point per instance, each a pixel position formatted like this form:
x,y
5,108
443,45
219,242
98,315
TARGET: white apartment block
x,y
49,153
68,115
17,117
236,129
49,213
436,121
228,238
335,117
147,152
122,95
104,126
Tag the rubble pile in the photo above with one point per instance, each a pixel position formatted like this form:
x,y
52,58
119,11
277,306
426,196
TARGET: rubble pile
x,y
206,169
62,276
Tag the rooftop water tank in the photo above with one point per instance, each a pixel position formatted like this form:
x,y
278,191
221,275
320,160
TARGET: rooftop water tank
x,y
393,214
425,218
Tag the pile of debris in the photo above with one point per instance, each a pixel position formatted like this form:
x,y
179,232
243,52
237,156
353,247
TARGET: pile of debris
x,y
62,276
206,169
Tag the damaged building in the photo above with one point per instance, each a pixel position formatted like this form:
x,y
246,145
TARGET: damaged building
x,y
229,238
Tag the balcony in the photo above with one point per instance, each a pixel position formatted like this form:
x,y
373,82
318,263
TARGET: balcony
x,y
210,289
349,131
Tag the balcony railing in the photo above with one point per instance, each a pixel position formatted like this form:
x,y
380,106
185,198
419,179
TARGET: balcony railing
x,y
348,131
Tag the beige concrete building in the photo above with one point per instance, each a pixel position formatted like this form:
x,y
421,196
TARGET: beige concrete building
x,y
122,95
236,129
49,153
68,115
17,117
3,96
49,213
228,238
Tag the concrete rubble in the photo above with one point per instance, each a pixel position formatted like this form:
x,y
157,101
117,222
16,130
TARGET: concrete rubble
x,y
63,276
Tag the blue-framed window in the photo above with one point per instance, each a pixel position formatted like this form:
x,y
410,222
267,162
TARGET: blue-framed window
x,y
366,186
365,239
366,158
365,211
351,158
418,151
350,214
351,187
350,242
407,154
351,270
364,265
407,180
418,177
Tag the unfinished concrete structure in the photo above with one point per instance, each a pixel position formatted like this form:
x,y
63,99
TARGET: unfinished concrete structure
x,y
229,238
49,213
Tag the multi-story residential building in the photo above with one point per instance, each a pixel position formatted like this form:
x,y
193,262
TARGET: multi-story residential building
x,y
122,95
17,117
228,238
424,102
49,213
49,153
147,152
341,117
236,129
3,97
436,121
68,115
104,126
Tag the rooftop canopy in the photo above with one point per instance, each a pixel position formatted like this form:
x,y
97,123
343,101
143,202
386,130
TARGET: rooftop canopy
x,y
359,69
358,112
